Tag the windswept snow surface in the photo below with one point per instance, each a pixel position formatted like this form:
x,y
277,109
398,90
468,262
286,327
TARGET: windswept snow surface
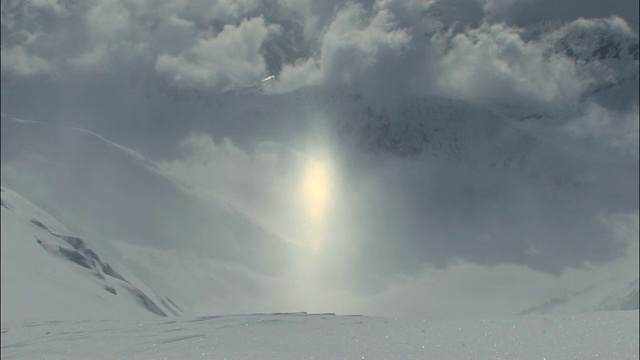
x,y
610,335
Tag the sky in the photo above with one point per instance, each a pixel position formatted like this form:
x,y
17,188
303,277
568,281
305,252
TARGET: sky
x,y
189,85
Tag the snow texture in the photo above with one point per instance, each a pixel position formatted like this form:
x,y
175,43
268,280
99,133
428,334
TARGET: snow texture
x,y
610,335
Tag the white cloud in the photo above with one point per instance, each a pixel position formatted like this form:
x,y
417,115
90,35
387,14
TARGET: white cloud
x,y
408,13
304,72
93,58
614,22
352,43
229,60
227,11
464,289
498,7
108,20
233,9
494,63
49,4
585,37
17,60
616,130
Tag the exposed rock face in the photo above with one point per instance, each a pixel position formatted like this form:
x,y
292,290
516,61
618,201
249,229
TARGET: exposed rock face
x,y
81,254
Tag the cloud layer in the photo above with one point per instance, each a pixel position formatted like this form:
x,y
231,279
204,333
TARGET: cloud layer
x,y
220,46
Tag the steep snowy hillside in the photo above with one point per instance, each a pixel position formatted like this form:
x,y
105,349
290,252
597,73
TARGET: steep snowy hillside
x,y
618,294
48,274
624,298
77,172
168,233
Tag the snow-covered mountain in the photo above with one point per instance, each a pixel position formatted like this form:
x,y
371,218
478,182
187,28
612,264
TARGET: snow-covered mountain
x,y
593,42
168,230
617,295
624,298
65,168
441,128
603,50
448,162
85,181
47,273
75,191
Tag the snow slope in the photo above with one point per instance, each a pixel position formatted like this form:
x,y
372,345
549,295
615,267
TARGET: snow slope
x,y
75,173
181,243
610,335
615,295
47,274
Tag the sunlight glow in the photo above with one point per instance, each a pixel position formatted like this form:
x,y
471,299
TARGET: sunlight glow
x,y
316,196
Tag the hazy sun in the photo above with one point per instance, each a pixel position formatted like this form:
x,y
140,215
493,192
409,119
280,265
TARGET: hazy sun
x,y
316,195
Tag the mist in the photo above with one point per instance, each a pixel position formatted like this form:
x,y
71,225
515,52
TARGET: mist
x,y
398,158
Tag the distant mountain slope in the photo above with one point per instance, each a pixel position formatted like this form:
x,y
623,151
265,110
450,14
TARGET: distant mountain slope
x,y
605,54
593,40
450,129
623,298
615,295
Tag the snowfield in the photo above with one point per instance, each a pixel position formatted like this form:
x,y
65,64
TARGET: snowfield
x,y
607,335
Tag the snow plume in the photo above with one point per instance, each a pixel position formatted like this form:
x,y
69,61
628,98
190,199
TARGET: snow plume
x,y
494,63
229,60
353,42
